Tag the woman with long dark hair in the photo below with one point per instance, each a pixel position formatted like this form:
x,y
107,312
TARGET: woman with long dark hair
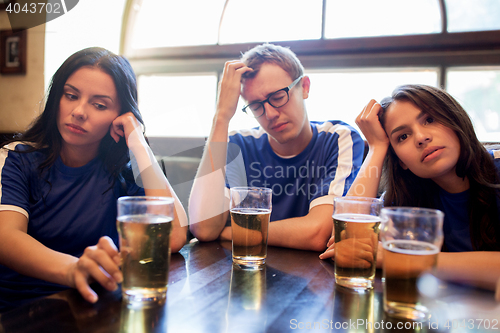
x,y
59,182
424,153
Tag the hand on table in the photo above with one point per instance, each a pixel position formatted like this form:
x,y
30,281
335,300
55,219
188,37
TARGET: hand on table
x,y
330,251
361,254
98,263
353,252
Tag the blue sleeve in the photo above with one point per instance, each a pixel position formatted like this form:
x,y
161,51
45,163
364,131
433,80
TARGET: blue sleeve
x,y
358,150
343,163
496,158
14,180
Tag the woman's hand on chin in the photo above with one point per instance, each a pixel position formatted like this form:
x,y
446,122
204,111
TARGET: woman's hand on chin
x,y
124,125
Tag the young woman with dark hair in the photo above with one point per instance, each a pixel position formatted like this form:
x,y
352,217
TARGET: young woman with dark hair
x,y
59,182
424,153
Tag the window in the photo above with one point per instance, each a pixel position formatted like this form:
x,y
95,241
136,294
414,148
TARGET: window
x,y
161,23
80,28
177,105
341,95
360,18
352,50
464,15
268,21
478,91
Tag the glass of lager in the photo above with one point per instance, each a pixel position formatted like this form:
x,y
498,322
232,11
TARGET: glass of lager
x,y
411,238
250,209
144,226
356,225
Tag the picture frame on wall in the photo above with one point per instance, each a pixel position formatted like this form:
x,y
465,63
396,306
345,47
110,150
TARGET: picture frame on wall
x,y
12,52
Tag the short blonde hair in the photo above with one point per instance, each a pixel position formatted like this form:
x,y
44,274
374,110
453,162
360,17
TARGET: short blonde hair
x,y
274,54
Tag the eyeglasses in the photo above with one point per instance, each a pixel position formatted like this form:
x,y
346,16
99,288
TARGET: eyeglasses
x,y
277,99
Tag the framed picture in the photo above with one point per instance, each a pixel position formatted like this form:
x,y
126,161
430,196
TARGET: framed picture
x,y
13,52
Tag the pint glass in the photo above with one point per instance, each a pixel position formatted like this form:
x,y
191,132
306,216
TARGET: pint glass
x,y
412,239
250,209
144,226
356,225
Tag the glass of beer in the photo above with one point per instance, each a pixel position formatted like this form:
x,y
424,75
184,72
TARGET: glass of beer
x,y
356,225
250,209
144,226
411,238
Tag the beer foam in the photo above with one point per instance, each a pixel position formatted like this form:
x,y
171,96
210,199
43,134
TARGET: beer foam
x,y
250,211
411,247
357,218
145,218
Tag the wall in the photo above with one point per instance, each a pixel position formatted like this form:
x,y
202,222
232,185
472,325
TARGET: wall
x,y
21,95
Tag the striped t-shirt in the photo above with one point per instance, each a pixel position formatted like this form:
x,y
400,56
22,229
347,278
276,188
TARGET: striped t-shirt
x,y
323,170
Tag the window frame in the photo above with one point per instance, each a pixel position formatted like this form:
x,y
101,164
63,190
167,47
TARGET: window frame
x,y
439,50
478,48
435,50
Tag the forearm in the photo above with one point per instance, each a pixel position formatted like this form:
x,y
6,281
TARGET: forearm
x,y
208,211
156,184
367,181
310,232
477,268
208,204
180,221
25,255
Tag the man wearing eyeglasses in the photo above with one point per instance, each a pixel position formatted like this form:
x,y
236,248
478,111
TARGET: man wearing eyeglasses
x,y
306,164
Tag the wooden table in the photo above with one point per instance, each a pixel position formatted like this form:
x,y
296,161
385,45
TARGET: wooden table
x,y
294,292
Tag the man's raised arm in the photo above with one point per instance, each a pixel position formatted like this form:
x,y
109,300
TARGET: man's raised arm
x,y
208,203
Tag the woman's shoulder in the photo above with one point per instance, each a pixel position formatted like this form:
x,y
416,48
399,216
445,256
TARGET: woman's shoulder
x,y
24,146
18,146
495,153
19,159
22,151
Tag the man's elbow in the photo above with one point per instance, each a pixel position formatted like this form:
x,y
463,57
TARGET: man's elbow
x,y
318,244
203,233
177,244
320,236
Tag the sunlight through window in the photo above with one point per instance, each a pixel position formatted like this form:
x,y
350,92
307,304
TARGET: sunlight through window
x,y
177,105
477,90
176,23
363,18
464,15
341,95
267,21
